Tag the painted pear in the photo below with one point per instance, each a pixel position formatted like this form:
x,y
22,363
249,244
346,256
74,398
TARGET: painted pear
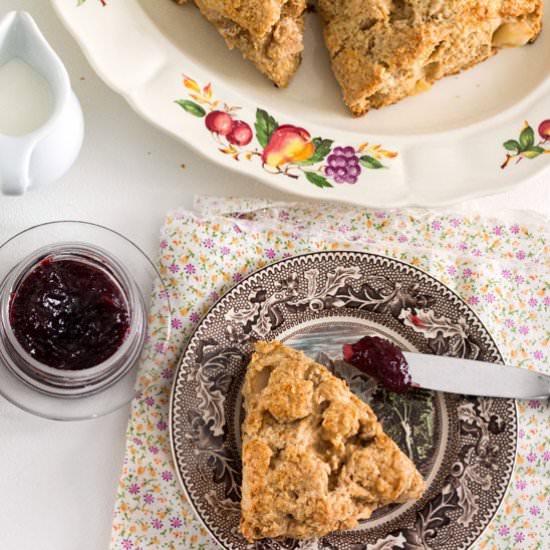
x,y
288,144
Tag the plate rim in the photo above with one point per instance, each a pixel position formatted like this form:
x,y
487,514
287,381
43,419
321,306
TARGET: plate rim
x,y
177,370
540,94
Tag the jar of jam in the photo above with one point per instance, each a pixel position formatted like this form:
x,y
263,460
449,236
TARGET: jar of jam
x,y
73,320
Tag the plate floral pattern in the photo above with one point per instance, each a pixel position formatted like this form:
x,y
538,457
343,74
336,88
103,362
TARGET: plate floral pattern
x,y
525,146
284,149
464,446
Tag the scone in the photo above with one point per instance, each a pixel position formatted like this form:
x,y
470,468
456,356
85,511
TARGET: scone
x,y
267,32
315,458
385,50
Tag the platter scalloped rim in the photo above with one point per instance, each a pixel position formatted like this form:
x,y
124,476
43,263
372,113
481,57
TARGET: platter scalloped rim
x,y
176,91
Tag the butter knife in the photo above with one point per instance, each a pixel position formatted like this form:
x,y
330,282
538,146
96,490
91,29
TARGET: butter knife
x,y
464,376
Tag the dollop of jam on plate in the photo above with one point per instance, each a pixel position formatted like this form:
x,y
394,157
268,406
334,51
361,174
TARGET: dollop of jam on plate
x,y
69,314
380,359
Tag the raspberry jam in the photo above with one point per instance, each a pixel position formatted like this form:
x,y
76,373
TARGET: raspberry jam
x,y
381,359
73,319
69,314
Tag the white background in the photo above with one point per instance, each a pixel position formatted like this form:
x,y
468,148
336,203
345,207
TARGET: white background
x,y
58,480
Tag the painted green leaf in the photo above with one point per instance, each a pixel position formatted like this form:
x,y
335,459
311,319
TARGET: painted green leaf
x,y
527,137
318,180
512,145
265,125
322,149
370,162
191,107
533,152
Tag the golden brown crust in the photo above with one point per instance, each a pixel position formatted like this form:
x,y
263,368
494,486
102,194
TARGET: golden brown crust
x,y
255,16
315,458
268,33
385,50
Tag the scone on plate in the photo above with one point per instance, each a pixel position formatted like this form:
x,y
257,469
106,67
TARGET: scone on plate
x,y
385,50
315,458
267,32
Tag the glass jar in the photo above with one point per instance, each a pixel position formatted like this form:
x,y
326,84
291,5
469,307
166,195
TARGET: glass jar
x,y
64,382
56,392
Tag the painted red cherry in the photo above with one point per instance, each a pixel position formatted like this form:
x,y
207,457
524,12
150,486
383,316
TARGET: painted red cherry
x,y
219,122
544,129
241,133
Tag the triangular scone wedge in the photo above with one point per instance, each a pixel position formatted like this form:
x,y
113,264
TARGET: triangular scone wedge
x,y
315,458
385,50
267,32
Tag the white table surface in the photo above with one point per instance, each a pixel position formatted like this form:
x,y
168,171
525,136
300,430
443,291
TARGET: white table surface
x,y
58,480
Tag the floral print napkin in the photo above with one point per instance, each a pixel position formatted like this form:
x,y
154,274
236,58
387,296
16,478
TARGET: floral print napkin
x,y
501,267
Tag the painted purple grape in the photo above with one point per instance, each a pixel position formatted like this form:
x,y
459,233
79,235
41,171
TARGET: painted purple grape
x,y
343,165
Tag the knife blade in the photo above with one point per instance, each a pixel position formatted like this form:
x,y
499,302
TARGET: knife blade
x,y
465,376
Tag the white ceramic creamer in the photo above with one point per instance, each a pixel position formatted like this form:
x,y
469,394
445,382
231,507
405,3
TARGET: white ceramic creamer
x,y
26,100
41,123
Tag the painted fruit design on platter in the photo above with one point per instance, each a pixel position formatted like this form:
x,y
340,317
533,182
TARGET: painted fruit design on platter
x,y
237,132
240,134
288,144
219,122
526,147
281,149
